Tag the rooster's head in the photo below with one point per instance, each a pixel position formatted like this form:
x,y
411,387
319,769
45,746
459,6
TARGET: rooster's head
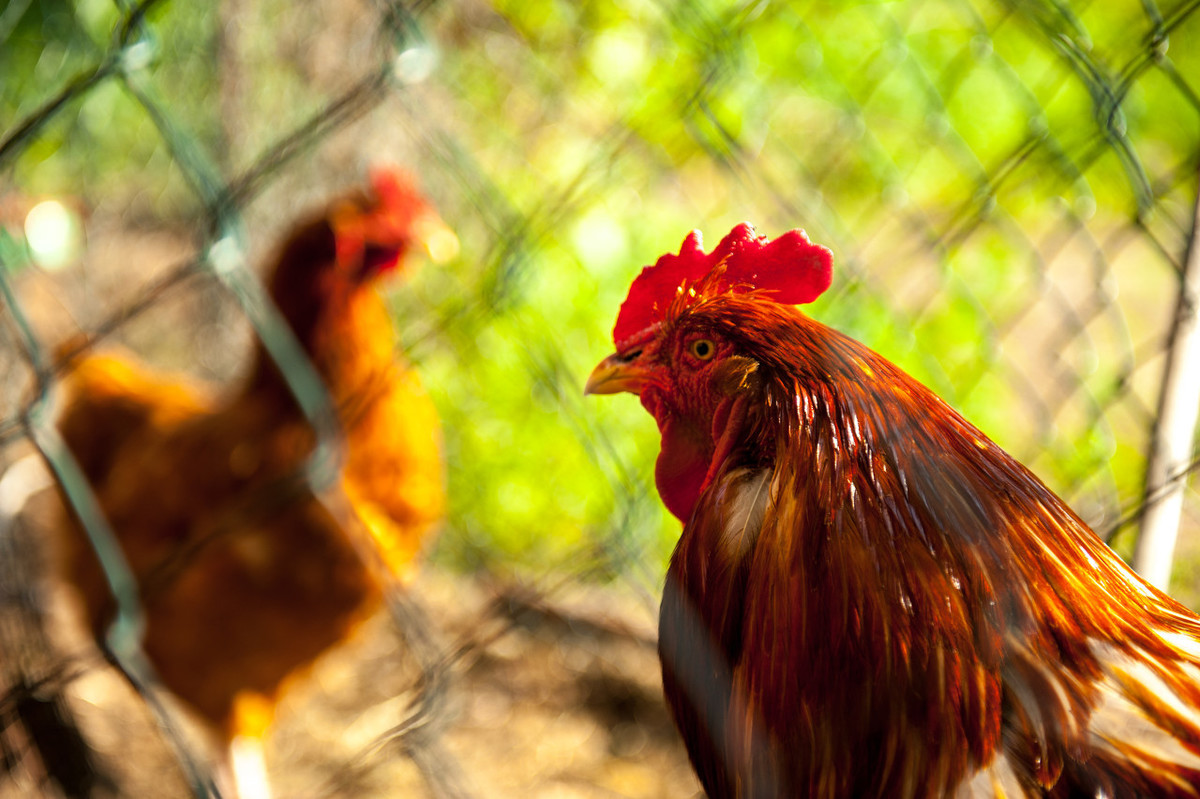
x,y
681,349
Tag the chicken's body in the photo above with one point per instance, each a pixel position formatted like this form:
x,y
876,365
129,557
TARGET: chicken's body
x,y
869,597
245,576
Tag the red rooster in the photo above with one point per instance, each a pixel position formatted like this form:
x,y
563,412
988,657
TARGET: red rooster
x,y
869,597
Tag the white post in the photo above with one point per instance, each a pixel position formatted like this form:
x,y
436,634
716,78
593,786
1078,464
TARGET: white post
x,y
1171,449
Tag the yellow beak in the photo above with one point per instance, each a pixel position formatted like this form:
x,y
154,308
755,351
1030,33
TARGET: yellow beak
x,y
615,374
438,239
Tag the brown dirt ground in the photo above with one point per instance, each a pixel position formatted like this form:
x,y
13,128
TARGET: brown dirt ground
x,y
546,697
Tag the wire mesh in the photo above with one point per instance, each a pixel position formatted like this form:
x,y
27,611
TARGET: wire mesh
x,y
1007,185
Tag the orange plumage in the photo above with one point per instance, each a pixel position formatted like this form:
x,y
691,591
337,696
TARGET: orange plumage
x,y
869,597
245,577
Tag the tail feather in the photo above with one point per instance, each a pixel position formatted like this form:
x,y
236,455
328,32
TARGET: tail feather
x,y
1128,725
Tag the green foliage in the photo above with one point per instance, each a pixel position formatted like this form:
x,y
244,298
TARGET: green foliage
x,y
977,165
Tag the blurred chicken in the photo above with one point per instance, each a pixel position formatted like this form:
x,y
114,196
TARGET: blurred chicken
x,y
870,598
244,576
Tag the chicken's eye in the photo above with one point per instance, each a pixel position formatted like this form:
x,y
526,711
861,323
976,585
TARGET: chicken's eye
x,y
702,349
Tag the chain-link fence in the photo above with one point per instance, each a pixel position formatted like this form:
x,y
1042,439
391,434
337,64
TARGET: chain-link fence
x,y
1008,186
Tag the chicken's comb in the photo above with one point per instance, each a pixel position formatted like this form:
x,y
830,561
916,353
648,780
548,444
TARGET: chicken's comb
x,y
790,269
395,189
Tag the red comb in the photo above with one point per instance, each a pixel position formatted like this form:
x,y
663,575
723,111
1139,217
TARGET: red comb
x,y
394,188
791,269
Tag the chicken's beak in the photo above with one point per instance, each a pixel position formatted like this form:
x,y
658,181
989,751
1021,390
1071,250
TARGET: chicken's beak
x,y
617,373
436,237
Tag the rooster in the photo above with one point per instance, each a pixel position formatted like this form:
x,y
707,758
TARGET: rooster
x,y
870,598
245,577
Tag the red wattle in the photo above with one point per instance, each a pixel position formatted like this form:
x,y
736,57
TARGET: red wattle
x,y
682,466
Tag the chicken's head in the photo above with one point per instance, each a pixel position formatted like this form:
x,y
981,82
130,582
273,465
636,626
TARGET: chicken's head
x,y
681,349
374,230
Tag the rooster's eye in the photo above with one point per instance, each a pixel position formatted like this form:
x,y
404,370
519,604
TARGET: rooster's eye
x,y
702,348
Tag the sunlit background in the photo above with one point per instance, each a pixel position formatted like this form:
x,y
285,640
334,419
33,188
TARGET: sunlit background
x,y
1007,185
